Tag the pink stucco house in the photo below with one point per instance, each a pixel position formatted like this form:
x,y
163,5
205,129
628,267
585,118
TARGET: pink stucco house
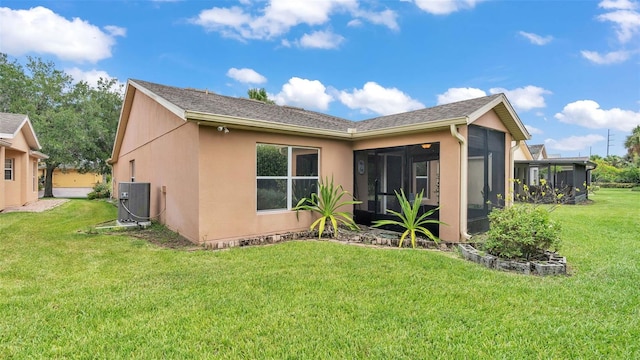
x,y
224,168
19,154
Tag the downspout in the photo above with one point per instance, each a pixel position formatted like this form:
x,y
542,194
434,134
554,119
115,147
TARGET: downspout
x,y
464,178
510,199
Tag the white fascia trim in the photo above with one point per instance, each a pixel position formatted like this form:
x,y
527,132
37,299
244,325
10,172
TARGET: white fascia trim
x,y
38,155
215,120
490,105
178,111
398,130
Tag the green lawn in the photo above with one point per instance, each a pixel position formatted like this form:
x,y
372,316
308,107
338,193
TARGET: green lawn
x,y
67,294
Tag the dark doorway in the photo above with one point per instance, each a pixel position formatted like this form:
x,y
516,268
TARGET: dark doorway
x,y
379,173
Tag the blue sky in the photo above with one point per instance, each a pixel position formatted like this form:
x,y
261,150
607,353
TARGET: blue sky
x,y
571,69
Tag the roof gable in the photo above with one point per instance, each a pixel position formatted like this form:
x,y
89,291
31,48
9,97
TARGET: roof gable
x,y
12,124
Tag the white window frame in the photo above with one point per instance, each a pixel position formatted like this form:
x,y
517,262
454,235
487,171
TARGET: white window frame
x,y
9,165
289,177
427,194
132,170
34,176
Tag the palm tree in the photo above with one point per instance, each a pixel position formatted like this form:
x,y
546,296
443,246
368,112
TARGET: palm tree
x,y
633,142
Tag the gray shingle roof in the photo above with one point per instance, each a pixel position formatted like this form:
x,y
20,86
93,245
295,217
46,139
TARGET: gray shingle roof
x,y
211,103
454,110
10,123
535,149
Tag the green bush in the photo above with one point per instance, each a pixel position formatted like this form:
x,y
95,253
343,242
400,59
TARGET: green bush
x,y
100,191
410,220
521,231
327,203
615,185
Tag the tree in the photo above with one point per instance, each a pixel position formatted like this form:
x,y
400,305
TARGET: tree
x,y
99,108
74,122
259,94
633,142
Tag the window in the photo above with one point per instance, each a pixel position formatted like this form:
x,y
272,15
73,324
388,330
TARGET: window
x,y
421,178
34,176
285,174
132,170
8,169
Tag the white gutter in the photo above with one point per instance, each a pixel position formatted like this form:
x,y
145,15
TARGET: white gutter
x,y
510,199
464,179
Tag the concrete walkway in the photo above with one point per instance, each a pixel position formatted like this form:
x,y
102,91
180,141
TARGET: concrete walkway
x,y
37,206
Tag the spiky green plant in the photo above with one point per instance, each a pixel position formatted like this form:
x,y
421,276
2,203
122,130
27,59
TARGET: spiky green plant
x,y
409,219
326,203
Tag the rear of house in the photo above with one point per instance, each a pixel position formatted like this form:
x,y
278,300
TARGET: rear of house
x,y
224,168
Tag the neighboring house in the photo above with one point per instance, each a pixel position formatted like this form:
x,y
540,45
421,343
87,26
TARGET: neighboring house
x,y
522,151
538,151
224,168
19,154
67,176
569,176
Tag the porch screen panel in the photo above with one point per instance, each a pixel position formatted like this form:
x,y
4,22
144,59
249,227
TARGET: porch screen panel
x,y
486,170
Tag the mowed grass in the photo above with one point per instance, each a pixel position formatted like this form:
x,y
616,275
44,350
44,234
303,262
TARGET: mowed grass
x,y
66,294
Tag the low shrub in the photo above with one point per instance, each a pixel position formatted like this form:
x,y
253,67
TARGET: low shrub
x,y
100,191
521,231
616,185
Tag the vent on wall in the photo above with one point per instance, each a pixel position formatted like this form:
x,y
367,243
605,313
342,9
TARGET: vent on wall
x,y
133,204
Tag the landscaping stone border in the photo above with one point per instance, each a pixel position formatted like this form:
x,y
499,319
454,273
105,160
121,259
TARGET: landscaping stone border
x,y
367,236
555,265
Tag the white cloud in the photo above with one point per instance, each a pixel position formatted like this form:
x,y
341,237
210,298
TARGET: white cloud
x,y
286,43
445,7
277,17
355,23
618,4
247,76
459,94
387,18
375,98
536,39
627,23
613,57
304,93
92,76
321,40
524,98
573,143
533,130
41,31
588,113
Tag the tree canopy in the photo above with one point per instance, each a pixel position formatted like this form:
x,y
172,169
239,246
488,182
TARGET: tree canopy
x,y
632,142
259,94
74,121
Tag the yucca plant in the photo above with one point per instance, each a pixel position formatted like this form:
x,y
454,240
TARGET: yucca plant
x,y
409,219
326,203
